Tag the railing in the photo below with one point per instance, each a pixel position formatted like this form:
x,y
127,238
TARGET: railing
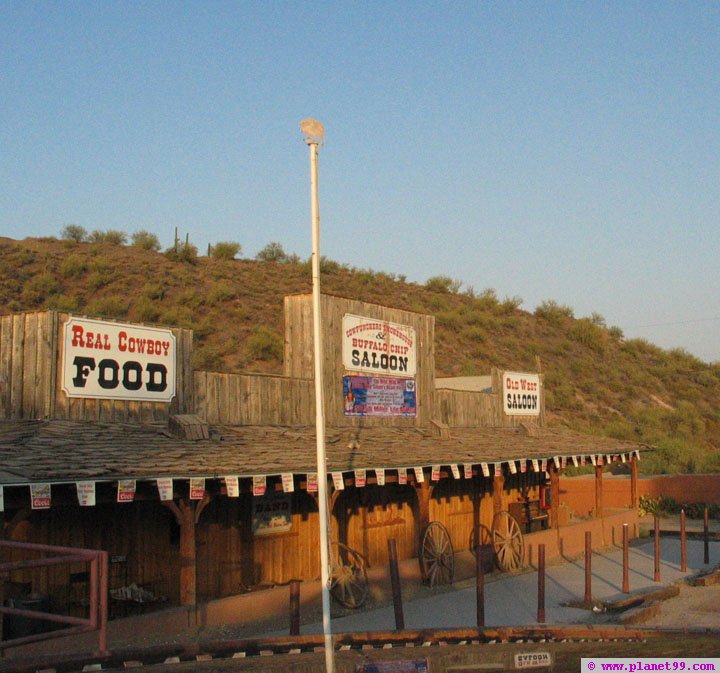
x,y
98,608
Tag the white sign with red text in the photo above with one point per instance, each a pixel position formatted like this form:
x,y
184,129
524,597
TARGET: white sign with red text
x,y
378,347
115,361
521,394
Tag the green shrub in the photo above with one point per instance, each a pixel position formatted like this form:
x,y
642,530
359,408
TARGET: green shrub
x,y
111,237
207,359
443,284
225,250
616,333
265,344
220,292
63,302
112,306
145,240
589,334
272,252
74,233
554,313
43,285
73,265
153,291
147,310
182,252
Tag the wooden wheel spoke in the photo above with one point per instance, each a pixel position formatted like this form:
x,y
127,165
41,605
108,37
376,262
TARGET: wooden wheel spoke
x,y
507,541
437,558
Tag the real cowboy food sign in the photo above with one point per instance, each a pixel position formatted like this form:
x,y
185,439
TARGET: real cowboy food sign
x,y
107,360
521,394
378,347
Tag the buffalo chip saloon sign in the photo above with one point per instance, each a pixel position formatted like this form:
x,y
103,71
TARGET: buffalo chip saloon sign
x,y
378,347
521,394
115,361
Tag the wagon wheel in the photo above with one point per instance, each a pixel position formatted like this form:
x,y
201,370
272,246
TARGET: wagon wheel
x,y
437,559
348,581
507,540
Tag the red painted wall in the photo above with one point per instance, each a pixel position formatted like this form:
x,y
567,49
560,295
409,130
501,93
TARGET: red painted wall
x,y
578,493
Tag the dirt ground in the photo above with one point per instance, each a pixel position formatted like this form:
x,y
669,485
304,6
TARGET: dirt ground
x,y
694,607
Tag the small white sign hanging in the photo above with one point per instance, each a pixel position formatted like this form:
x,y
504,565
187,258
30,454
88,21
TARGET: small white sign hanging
x,y
556,460
86,493
467,470
402,476
485,469
498,469
232,486
360,478
576,461
2,499
512,466
288,482
338,481
312,482
165,488
455,471
380,476
419,476
435,473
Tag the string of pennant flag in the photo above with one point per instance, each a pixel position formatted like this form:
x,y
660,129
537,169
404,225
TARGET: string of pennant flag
x,y
41,493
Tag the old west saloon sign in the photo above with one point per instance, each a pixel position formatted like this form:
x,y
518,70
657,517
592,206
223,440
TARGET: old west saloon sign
x,y
114,361
521,394
378,347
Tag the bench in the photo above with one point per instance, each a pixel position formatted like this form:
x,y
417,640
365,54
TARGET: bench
x,y
529,515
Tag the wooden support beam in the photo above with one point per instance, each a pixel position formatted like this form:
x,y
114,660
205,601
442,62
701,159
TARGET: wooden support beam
x,y
186,514
554,496
598,491
424,492
498,486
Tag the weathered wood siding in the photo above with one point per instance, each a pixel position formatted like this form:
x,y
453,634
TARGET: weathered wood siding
x,y
299,353
31,376
366,518
253,399
230,558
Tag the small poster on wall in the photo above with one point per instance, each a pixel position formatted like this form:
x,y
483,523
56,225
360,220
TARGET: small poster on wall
x,y
272,513
379,396
40,496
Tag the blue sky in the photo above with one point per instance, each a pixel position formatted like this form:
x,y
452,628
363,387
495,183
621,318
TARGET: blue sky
x,y
565,151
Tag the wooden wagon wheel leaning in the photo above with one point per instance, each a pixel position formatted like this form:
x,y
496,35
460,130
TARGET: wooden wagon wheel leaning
x,y
508,543
348,580
437,558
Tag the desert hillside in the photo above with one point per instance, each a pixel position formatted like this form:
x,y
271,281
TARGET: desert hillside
x,y
596,380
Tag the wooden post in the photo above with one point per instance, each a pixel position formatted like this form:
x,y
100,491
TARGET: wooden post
x,y
185,516
626,561
588,567
656,576
294,607
541,584
706,537
498,487
683,543
395,583
633,482
479,581
598,491
423,495
554,496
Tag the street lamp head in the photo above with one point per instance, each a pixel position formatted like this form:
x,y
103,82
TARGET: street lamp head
x,y
314,131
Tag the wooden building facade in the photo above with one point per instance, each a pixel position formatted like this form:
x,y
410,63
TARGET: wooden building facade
x,y
210,488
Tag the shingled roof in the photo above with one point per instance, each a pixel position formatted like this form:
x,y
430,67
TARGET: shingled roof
x,y
63,451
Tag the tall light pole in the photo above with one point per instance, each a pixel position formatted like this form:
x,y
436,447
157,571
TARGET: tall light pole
x,y
314,134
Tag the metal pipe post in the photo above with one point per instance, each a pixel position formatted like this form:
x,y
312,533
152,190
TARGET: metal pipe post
x,y
588,567
656,577
706,536
683,543
626,560
295,607
541,584
479,584
395,583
